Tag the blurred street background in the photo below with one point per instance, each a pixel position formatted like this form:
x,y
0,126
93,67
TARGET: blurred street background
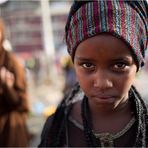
x,y
35,33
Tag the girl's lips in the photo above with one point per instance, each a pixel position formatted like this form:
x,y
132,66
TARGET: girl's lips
x,y
104,97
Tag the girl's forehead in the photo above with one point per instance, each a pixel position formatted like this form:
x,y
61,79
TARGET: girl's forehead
x,y
103,43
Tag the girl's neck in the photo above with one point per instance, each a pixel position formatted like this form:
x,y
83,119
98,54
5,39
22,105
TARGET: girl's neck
x,y
111,120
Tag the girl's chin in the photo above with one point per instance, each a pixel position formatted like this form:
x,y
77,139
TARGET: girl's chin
x,y
109,103
104,103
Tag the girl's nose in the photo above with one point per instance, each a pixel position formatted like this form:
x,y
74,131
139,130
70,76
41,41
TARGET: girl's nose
x,y
102,81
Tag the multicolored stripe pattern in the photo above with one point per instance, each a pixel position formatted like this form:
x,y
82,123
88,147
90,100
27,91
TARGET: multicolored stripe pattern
x,y
115,17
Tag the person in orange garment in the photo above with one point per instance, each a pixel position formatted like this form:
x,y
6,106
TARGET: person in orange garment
x,y
14,106
106,40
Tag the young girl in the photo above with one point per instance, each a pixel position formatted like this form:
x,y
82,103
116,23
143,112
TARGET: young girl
x,y
107,41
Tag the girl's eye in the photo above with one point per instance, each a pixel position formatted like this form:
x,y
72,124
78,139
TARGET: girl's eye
x,y
120,66
88,65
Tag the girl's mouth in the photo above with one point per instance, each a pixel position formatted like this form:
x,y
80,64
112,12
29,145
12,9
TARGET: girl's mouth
x,y
104,98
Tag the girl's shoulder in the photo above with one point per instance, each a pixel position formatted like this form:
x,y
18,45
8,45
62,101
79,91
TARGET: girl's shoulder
x,y
46,130
47,125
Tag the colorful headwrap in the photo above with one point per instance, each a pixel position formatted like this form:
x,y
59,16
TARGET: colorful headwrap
x,y
115,17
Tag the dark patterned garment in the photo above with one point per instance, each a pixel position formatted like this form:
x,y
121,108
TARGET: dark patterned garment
x,y
70,132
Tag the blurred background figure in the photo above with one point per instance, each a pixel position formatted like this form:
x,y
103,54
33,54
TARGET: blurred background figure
x,y
13,99
70,76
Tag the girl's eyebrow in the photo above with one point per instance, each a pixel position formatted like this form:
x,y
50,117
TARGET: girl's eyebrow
x,y
125,58
83,58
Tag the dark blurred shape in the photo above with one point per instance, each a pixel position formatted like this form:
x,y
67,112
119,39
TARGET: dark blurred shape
x,y
70,76
13,99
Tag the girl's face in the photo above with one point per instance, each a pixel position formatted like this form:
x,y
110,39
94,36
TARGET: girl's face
x,y
105,70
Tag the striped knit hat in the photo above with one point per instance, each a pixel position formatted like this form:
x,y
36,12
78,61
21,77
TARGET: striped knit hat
x,y
120,18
